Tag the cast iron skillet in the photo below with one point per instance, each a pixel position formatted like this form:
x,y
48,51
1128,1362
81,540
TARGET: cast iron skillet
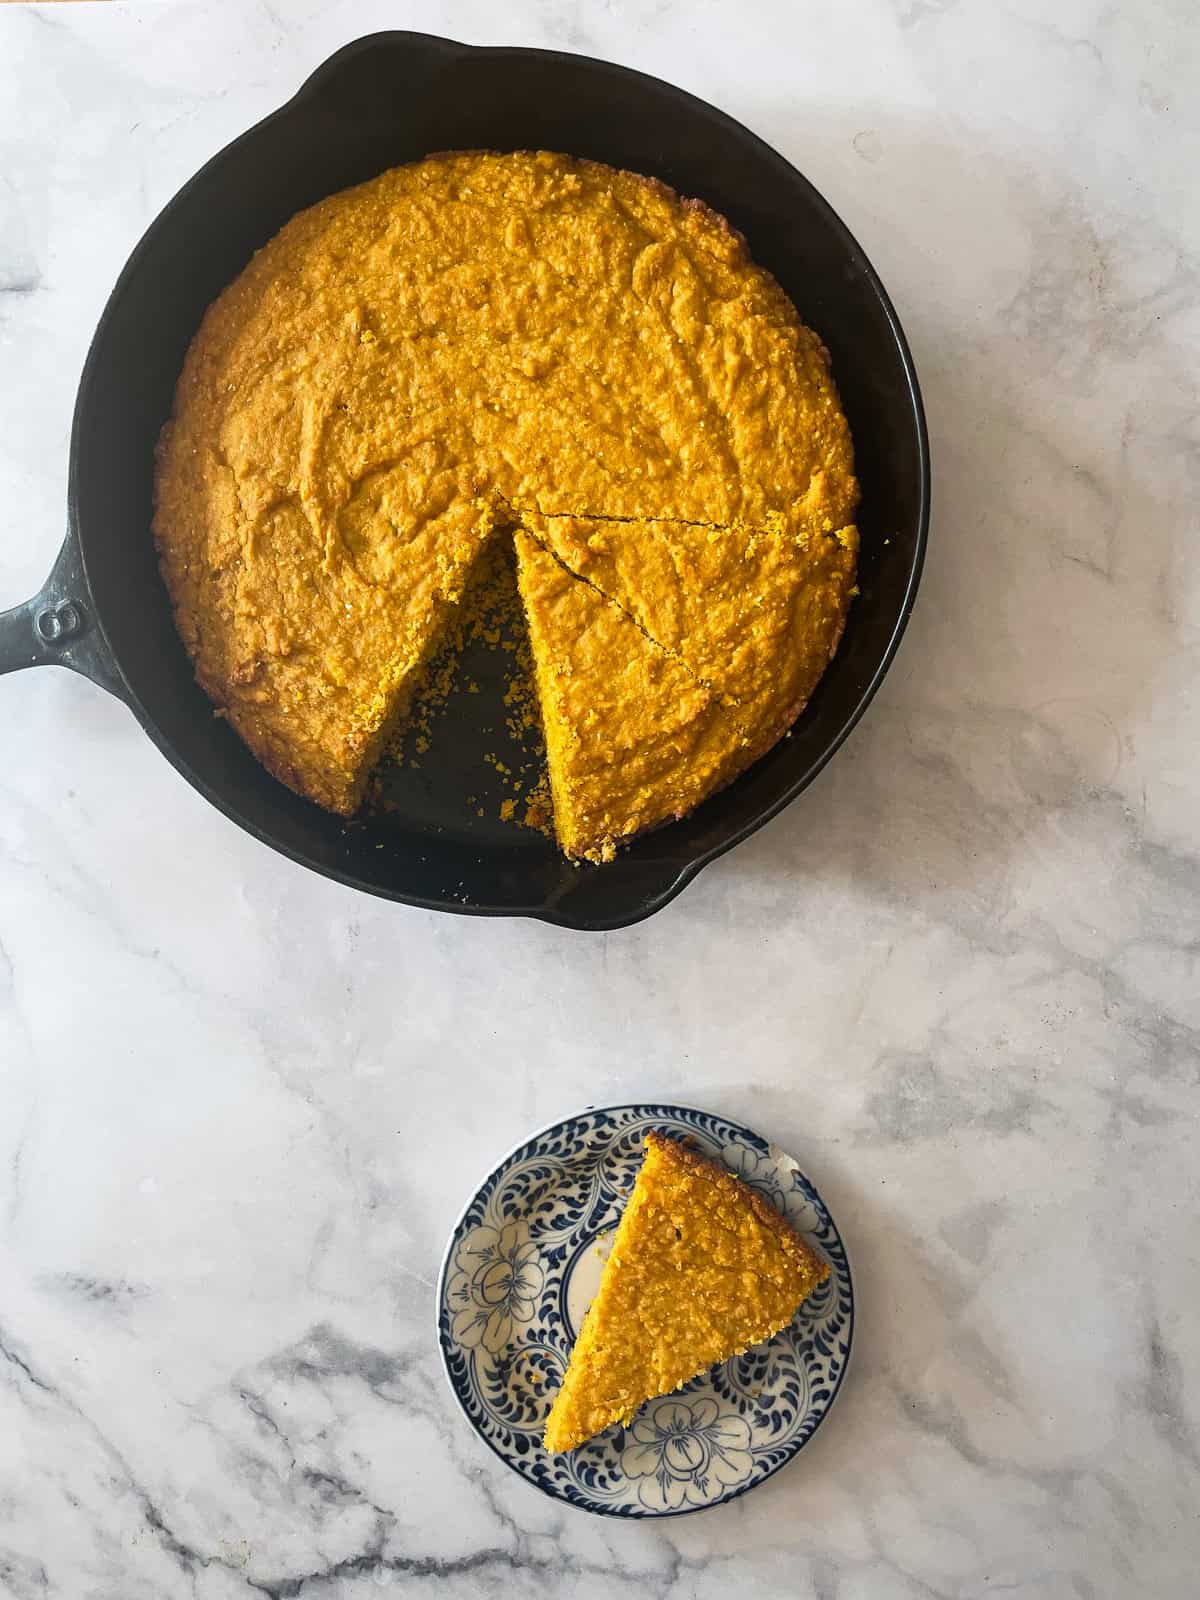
x,y
386,99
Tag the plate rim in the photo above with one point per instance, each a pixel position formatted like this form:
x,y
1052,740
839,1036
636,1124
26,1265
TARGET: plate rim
x,y
442,1342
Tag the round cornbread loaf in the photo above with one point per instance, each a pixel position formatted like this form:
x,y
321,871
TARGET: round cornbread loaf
x,y
411,367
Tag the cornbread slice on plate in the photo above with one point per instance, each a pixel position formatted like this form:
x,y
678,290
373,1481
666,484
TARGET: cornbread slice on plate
x,y
701,1268
756,614
632,738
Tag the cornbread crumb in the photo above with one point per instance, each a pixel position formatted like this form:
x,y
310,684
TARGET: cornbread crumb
x,y
489,614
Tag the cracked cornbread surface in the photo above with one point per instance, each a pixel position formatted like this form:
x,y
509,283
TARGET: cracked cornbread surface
x,y
632,738
756,615
408,361
701,1268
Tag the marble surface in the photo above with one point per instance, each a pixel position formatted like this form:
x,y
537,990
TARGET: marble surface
x,y
960,979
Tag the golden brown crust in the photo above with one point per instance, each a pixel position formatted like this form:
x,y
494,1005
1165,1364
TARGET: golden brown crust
x,y
405,357
685,1158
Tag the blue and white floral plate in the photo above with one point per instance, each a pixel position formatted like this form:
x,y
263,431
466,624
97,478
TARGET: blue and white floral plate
x,y
521,1268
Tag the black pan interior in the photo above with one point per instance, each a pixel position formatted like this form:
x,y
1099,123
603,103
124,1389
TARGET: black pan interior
x,y
393,98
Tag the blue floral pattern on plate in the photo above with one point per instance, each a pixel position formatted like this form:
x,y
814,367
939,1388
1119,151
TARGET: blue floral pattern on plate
x,y
524,1260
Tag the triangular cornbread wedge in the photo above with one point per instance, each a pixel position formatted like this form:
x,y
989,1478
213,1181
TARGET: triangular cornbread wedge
x,y
632,738
754,614
701,1268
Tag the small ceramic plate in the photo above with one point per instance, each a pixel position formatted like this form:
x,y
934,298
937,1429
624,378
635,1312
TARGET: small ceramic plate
x,y
521,1268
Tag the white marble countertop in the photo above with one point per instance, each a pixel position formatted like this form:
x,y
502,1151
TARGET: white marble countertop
x,y
959,979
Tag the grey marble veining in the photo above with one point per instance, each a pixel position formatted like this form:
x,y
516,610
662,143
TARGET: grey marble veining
x,y
960,979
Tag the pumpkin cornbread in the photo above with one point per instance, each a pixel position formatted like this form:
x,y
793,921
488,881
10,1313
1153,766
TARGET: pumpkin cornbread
x,y
755,615
408,361
632,738
701,1268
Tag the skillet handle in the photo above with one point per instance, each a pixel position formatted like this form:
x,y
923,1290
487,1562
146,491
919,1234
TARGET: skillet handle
x,y
58,627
